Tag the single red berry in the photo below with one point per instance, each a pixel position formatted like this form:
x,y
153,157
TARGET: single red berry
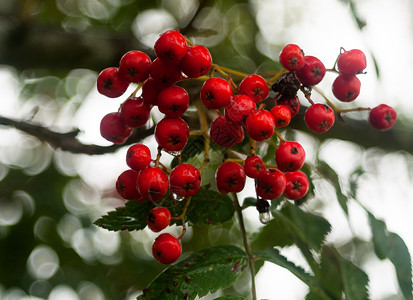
x,y
282,115
126,185
254,166
289,156
225,133
382,117
230,177
138,157
351,62
165,73
173,101
135,112
159,218
238,109
346,88
319,117
254,86
297,185
172,134
292,57
271,184
293,104
196,62
153,183
216,93
113,129
110,84
150,91
134,66
166,248
312,72
260,125
171,46
184,180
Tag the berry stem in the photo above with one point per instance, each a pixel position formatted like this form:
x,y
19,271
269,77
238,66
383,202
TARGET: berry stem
x,y
230,71
182,217
276,76
204,129
158,157
252,146
247,246
278,136
307,94
140,85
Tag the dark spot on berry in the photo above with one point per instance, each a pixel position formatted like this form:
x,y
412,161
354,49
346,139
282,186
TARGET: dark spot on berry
x,y
316,72
257,91
132,72
349,95
174,140
294,150
297,185
175,107
108,84
209,96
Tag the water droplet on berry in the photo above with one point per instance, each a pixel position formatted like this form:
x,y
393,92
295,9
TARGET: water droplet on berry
x,y
265,217
175,153
177,198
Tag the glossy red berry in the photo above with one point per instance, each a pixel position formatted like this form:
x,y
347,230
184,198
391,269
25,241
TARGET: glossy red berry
x,y
319,117
297,185
173,101
153,183
134,66
259,125
113,129
196,62
289,156
312,72
225,133
150,91
135,112
172,134
271,184
382,117
230,177
254,86
293,104
166,248
184,180
346,88
171,46
282,115
110,84
126,185
138,157
292,57
165,73
159,218
216,93
238,109
351,62
254,166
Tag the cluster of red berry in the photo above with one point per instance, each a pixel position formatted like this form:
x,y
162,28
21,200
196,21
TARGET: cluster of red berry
x,y
237,117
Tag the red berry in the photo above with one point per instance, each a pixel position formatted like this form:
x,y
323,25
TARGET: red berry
x,y
165,73
172,134
113,129
271,184
238,109
150,91
289,156
138,157
254,86
110,84
134,66
171,46
126,185
382,117
184,180
158,219
173,101
254,166
312,72
216,93
230,177
196,62
319,117
134,112
292,57
351,62
346,88
153,183
297,185
225,133
166,248
282,115
260,125
293,104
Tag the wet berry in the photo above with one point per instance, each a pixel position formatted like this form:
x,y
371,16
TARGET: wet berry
x,y
230,177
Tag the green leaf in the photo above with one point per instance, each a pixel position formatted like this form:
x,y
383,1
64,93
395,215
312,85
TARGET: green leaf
x,y
390,245
275,233
249,201
205,271
193,147
132,216
231,297
272,147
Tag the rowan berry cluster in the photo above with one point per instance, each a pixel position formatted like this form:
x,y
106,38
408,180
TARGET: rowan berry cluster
x,y
239,114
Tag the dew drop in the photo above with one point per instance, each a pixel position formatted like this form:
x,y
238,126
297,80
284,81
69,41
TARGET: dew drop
x,y
177,198
174,153
265,217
